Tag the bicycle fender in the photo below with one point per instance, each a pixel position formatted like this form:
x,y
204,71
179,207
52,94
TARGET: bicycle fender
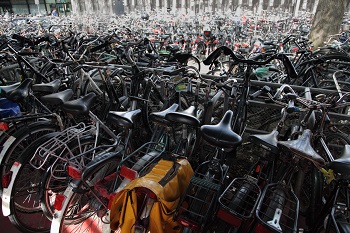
x,y
6,193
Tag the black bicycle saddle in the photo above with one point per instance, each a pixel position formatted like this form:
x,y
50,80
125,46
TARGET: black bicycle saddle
x,y
81,105
188,117
50,87
221,134
266,141
5,89
57,98
21,92
123,119
159,117
342,164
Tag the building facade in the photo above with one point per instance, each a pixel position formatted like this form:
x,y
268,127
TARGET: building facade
x,y
35,7
66,7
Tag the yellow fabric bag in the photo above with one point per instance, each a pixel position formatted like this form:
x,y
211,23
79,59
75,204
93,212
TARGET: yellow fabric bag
x,y
168,180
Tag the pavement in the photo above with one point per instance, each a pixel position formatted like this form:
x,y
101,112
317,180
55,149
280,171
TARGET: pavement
x,y
6,226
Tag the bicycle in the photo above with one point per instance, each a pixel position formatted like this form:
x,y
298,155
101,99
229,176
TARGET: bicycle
x,y
47,158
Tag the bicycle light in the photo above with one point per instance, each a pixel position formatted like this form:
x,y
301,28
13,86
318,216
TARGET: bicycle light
x,y
4,126
6,179
74,172
188,224
59,202
128,173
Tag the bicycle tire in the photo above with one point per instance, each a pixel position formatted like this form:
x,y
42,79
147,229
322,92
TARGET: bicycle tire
x,y
154,103
20,140
71,216
50,185
28,218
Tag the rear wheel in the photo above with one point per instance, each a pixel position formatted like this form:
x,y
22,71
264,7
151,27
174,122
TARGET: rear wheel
x,y
21,140
55,180
82,212
26,213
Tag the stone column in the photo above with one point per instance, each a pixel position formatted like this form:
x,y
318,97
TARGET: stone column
x,y
314,8
132,5
174,5
304,5
75,7
296,9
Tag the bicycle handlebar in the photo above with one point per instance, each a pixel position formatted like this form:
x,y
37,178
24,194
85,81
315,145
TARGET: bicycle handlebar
x,y
228,52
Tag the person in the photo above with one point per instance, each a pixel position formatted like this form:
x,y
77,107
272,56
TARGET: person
x,y
54,12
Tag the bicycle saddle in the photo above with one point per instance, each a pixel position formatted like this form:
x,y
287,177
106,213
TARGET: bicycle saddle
x,y
50,87
342,164
21,92
123,119
5,89
188,117
266,141
57,98
159,117
221,134
303,148
81,105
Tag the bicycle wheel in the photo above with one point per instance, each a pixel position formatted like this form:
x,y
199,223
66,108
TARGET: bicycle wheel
x,y
20,140
194,62
55,180
25,211
154,103
82,212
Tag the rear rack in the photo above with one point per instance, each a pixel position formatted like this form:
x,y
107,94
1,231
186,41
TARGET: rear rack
x,y
58,146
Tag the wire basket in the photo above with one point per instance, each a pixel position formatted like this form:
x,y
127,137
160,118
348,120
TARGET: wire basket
x,y
197,205
278,209
239,199
58,146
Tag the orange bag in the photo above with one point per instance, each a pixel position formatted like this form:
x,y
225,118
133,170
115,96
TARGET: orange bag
x,y
168,180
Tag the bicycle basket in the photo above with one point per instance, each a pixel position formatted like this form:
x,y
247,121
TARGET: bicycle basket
x,y
197,205
238,201
58,146
277,209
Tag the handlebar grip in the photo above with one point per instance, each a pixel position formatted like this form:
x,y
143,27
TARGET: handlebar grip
x,y
256,94
291,108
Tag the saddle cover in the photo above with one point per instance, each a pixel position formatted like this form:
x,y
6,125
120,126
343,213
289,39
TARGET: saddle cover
x,y
168,180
